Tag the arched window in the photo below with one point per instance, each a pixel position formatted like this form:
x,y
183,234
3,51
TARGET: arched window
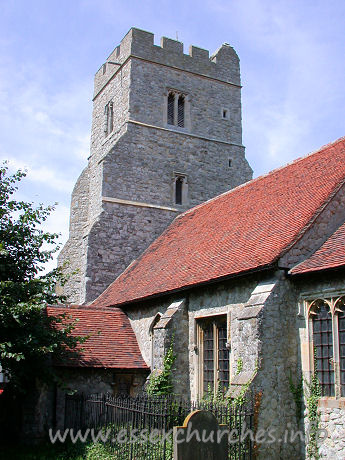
x,y
180,195
321,317
178,190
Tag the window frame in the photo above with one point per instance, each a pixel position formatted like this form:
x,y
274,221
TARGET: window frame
x,y
183,179
199,321
332,300
109,119
176,110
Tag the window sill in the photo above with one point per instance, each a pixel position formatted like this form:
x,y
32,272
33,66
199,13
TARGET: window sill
x,y
177,128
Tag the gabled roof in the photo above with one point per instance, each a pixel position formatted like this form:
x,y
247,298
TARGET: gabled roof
x,y
112,342
330,255
245,229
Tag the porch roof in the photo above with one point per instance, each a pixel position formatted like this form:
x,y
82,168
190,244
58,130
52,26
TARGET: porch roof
x,y
112,342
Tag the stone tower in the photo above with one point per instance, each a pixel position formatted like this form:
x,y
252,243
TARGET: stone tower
x,y
166,136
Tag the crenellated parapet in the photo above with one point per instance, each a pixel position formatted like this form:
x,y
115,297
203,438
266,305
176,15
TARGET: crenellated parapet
x,y
222,65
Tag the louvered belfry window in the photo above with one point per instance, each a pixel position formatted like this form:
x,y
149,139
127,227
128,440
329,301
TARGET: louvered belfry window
x,y
323,346
171,108
176,108
215,355
180,111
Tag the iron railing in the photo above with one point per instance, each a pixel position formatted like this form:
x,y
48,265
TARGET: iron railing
x,y
141,427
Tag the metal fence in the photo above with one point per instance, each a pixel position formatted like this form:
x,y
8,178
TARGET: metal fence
x,y
141,427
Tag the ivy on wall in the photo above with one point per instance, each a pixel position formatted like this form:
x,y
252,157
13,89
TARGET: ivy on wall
x,y
161,383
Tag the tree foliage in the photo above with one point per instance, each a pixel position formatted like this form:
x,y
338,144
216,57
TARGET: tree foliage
x,y
28,337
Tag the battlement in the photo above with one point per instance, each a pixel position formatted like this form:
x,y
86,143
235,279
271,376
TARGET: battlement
x,y
137,43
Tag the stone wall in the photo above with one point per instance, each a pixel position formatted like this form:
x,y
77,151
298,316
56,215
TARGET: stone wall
x,y
125,197
91,381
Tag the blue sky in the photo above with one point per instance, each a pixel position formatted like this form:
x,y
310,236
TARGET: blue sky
x,y
292,66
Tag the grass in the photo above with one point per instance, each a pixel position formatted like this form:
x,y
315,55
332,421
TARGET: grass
x,y
57,451
77,451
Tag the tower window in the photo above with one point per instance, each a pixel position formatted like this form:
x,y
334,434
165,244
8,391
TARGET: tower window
x,y
230,162
171,103
176,109
109,118
180,111
180,189
225,113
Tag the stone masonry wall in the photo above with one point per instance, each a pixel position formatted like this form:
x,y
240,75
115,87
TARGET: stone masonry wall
x,y
91,381
278,362
73,253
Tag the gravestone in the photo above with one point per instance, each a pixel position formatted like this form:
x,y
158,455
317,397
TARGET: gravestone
x,y
201,438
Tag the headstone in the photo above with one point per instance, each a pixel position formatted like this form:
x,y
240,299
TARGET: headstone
x,y
201,438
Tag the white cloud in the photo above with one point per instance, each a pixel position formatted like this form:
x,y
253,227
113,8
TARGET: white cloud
x,y
57,222
293,78
42,175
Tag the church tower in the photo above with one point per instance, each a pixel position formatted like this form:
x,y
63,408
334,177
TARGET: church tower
x,y
166,136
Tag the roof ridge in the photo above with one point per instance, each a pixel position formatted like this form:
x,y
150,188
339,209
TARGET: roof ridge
x,y
76,307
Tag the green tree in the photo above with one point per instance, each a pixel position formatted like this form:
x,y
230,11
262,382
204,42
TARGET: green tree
x,y
28,337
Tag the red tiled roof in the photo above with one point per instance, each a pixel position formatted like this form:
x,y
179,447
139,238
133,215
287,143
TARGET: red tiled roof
x,y
112,342
330,255
244,229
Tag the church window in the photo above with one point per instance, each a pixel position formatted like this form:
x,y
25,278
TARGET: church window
x,y
180,111
171,104
327,321
225,113
109,118
323,346
176,109
180,189
341,341
214,355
